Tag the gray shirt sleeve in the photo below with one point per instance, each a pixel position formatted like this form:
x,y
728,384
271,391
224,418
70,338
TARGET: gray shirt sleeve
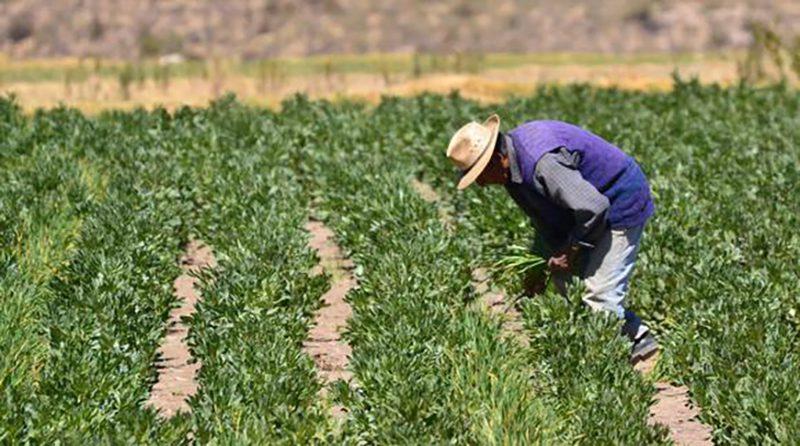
x,y
558,179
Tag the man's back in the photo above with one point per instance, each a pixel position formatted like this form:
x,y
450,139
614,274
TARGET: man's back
x,y
607,168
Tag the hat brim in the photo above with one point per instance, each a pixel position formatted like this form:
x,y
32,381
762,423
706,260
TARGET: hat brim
x,y
469,177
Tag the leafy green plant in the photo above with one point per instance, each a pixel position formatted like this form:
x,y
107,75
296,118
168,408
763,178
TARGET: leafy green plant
x,y
94,212
521,265
713,276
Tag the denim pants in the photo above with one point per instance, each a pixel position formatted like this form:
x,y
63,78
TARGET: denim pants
x,y
606,270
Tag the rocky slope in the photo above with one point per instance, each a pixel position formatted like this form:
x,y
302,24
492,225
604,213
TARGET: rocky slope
x,y
268,28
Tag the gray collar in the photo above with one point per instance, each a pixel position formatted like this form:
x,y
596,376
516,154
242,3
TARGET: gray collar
x,y
513,165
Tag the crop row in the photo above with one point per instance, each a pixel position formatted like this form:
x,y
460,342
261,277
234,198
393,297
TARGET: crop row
x,y
256,385
94,212
41,204
102,240
428,367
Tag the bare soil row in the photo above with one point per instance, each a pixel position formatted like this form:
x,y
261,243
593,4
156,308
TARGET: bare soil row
x,y
324,344
177,370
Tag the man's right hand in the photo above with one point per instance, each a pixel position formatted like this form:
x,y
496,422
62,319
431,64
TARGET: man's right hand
x,y
563,261
559,263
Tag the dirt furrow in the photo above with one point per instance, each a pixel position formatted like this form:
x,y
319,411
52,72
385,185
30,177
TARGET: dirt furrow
x,y
493,300
324,343
674,409
427,193
497,303
176,370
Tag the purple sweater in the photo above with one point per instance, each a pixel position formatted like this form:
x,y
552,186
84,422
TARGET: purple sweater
x,y
613,173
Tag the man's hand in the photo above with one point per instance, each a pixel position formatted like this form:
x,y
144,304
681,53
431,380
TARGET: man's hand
x,y
559,263
564,260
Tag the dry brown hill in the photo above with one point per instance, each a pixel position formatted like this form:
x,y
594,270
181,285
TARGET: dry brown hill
x,y
268,28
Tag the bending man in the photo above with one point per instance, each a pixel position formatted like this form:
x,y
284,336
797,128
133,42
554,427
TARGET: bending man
x,y
588,201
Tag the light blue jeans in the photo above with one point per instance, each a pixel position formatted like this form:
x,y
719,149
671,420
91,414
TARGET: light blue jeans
x,y
606,271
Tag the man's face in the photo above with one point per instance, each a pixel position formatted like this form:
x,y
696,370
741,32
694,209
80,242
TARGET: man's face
x,y
496,172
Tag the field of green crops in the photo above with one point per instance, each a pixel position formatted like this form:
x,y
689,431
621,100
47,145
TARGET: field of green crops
x,y
94,213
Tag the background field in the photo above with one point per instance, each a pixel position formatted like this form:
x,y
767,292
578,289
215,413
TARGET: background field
x,y
114,54
96,209
93,85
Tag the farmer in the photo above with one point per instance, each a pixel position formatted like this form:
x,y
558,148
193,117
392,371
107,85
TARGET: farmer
x,y
587,199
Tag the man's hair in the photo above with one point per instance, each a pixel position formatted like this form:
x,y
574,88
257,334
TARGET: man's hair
x,y
500,144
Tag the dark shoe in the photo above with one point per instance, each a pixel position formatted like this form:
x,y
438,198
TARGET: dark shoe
x,y
632,326
643,348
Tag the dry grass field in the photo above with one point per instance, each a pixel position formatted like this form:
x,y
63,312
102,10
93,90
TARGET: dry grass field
x,y
96,85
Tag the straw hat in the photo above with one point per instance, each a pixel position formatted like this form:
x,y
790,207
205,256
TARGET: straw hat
x,y
471,148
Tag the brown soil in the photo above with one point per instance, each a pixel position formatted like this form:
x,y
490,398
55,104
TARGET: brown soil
x,y
494,300
497,304
425,191
674,409
176,370
431,196
256,29
331,354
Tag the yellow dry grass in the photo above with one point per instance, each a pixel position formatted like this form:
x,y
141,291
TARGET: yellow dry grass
x,y
98,93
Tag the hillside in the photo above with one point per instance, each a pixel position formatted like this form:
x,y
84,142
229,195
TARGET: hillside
x,y
259,28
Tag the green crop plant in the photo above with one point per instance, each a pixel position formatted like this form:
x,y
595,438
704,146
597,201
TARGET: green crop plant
x,y
256,385
428,367
94,213
520,265
41,207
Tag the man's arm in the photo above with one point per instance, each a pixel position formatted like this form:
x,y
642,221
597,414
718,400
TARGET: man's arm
x,y
558,179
